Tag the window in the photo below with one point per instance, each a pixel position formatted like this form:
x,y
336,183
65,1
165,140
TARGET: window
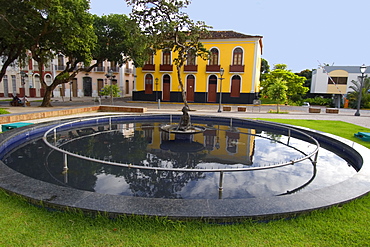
x,y
214,57
238,56
166,57
338,80
150,59
191,57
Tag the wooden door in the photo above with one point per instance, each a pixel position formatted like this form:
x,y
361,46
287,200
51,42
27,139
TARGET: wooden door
x,y
166,88
235,86
212,88
190,83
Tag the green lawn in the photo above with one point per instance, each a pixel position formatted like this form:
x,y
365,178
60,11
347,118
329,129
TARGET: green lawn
x,y
22,224
3,111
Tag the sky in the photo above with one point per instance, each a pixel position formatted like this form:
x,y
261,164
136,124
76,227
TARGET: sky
x,y
303,34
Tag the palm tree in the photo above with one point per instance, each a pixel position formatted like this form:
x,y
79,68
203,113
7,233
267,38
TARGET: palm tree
x,y
354,95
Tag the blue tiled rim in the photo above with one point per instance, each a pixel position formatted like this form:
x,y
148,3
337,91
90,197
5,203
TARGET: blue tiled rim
x,y
223,210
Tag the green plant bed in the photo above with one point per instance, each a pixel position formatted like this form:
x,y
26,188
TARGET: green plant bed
x,y
280,112
3,111
22,224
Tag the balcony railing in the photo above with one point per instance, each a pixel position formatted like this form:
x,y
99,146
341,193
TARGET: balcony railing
x,y
99,69
128,71
150,67
114,69
213,68
191,68
166,67
236,68
60,67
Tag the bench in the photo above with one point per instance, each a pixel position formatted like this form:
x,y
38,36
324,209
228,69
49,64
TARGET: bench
x,y
242,108
226,108
332,110
11,126
314,110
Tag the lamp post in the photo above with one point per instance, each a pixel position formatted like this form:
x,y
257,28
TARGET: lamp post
x,y
156,89
70,90
23,75
221,74
362,70
110,76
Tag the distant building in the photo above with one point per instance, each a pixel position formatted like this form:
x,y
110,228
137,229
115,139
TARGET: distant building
x,y
238,54
335,80
26,80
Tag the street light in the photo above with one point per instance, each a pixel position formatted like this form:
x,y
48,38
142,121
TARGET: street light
x,y
362,70
110,76
221,74
70,90
23,74
156,89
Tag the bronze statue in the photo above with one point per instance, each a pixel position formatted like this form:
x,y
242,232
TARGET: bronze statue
x,y
185,119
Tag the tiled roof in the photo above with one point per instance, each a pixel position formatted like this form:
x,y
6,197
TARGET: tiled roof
x,y
228,35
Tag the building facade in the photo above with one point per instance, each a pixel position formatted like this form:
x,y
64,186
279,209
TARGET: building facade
x,y
26,80
335,80
238,54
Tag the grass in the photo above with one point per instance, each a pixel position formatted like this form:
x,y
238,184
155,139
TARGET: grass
x,y
22,224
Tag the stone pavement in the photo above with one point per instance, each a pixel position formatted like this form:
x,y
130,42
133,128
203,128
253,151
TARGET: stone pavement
x,y
295,112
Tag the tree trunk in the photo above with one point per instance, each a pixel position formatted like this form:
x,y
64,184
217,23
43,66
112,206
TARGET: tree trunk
x,y
46,101
277,108
183,93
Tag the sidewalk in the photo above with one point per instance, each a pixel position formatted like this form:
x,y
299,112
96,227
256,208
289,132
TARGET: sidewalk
x,y
295,112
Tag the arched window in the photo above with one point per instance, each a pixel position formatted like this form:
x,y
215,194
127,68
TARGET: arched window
x,y
150,59
166,57
190,60
213,60
148,84
238,56
48,80
60,65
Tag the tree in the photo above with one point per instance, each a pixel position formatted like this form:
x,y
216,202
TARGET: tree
x,y
277,91
265,68
169,28
114,37
293,81
65,27
13,41
50,27
119,39
308,74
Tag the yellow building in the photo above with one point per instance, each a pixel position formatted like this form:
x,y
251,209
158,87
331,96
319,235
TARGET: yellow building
x,y
239,55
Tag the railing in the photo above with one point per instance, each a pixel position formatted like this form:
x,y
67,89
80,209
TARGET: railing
x,y
99,120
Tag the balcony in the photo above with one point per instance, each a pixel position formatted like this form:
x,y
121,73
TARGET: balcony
x,y
213,68
60,67
236,68
114,69
191,68
99,69
149,67
128,71
166,67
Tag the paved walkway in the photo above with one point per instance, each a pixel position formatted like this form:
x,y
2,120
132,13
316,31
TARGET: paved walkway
x,y
295,112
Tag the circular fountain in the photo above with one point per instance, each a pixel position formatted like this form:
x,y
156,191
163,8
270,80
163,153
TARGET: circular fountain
x,y
211,168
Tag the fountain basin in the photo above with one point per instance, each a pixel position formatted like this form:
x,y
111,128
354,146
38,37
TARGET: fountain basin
x,y
267,207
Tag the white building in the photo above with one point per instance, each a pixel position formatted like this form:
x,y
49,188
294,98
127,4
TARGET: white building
x,y
335,80
26,80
